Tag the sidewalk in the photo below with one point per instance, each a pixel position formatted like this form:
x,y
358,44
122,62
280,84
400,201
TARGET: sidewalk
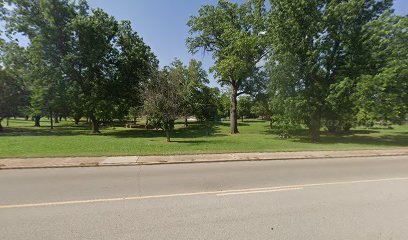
x,y
22,163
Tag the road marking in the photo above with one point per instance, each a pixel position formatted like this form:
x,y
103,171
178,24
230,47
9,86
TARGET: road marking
x,y
259,191
218,193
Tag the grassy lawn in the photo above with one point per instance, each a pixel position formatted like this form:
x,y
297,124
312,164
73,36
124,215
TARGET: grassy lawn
x,y
20,139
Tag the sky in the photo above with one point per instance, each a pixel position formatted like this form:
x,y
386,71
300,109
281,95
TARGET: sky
x,y
162,24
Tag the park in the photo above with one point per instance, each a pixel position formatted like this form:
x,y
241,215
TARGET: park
x,y
342,90
69,139
203,119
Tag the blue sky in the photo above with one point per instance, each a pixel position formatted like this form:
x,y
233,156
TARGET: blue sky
x,y
162,24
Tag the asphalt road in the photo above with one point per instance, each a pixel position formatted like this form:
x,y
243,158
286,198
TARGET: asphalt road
x,y
347,199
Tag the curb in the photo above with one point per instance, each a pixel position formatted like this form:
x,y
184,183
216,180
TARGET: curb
x,y
130,164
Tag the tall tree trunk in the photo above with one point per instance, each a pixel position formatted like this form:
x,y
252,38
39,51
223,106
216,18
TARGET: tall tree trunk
x,y
76,120
168,135
242,120
26,117
186,121
233,110
7,121
56,119
51,122
207,127
60,118
37,121
1,127
147,123
315,126
95,125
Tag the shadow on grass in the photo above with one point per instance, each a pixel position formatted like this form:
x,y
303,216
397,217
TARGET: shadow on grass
x,y
187,141
395,140
357,136
194,130
45,131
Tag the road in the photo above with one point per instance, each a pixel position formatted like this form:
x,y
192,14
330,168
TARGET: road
x,y
353,198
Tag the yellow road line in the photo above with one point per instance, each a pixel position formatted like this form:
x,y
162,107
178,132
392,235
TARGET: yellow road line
x,y
259,191
218,193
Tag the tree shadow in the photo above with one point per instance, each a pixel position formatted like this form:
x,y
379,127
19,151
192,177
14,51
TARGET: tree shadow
x,y
355,136
193,130
396,140
44,131
186,141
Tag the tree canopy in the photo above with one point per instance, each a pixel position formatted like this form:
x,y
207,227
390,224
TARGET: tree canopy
x,y
234,34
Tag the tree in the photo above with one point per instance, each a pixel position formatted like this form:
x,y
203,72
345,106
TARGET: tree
x,y
14,61
10,96
206,105
109,64
163,101
316,45
382,93
224,104
244,106
196,78
261,106
189,78
80,62
234,35
44,23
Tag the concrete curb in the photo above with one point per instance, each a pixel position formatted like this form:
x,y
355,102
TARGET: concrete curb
x,y
34,163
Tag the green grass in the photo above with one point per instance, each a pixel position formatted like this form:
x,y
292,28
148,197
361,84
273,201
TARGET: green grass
x,y
20,139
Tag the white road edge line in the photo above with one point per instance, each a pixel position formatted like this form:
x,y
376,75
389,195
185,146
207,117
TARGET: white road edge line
x,y
224,192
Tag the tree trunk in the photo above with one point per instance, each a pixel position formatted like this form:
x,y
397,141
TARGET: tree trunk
x,y
76,120
95,125
37,121
7,121
56,119
315,127
26,117
51,122
147,123
207,127
168,135
60,118
242,118
233,111
185,121
1,127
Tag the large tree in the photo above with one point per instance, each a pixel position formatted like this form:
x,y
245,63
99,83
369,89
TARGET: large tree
x,y
44,23
234,34
382,92
316,46
11,96
108,65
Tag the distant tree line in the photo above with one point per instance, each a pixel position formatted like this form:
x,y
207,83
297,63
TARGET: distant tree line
x,y
332,64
